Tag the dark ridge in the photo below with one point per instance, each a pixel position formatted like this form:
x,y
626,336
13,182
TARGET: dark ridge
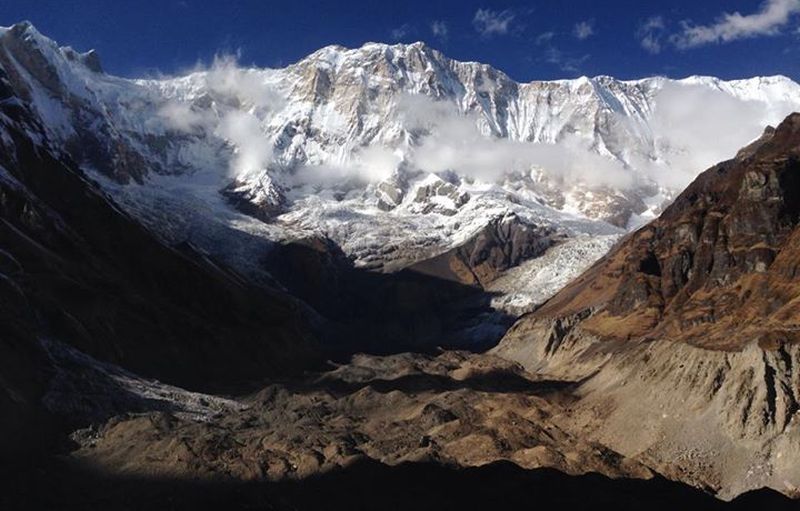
x,y
101,282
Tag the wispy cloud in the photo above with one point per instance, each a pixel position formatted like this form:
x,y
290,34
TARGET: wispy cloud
x,y
696,126
693,126
552,54
488,22
452,140
241,128
400,32
439,29
544,38
564,61
651,34
771,17
583,29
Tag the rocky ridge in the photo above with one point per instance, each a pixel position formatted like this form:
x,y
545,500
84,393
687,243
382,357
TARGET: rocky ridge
x,y
687,327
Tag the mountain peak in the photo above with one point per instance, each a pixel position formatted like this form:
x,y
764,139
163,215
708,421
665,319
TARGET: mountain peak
x,y
22,27
25,38
25,31
790,125
90,59
338,52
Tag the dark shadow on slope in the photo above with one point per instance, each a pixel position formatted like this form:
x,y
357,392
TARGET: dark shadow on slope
x,y
91,276
75,268
368,485
496,381
385,313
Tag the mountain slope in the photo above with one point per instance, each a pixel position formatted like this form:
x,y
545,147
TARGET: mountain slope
x,y
77,272
397,153
688,327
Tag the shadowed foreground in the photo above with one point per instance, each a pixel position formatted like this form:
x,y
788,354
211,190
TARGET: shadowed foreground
x,y
368,485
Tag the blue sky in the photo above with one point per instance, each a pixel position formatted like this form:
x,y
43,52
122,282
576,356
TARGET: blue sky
x,y
528,40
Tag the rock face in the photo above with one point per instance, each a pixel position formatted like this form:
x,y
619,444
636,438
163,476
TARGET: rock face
x,y
684,337
437,195
504,243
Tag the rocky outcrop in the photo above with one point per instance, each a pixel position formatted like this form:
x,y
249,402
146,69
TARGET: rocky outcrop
x,y
504,243
683,337
435,195
263,200
721,420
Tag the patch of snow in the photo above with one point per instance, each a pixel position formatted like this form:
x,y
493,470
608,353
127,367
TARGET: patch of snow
x,y
82,386
530,284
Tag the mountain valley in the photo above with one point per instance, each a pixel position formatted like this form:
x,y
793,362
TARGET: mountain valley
x,y
380,267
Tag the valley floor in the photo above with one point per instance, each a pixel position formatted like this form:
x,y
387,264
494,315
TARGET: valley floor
x,y
405,431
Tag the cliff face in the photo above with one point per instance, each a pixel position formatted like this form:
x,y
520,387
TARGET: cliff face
x,y
684,336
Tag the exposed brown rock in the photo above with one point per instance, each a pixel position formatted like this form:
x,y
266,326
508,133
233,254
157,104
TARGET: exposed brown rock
x,y
502,244
685,336
717,268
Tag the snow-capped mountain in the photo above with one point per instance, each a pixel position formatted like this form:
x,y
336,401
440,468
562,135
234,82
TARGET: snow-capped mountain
x,y
394,152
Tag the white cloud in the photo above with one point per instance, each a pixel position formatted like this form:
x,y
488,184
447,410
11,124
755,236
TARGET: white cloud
x,y
253,149
451,141
439,29
698,126
583,30
651,34
240,97
401,32
770,18
245,85
180,116
488,22
693,126
565,62
246,91
544,38
370,164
